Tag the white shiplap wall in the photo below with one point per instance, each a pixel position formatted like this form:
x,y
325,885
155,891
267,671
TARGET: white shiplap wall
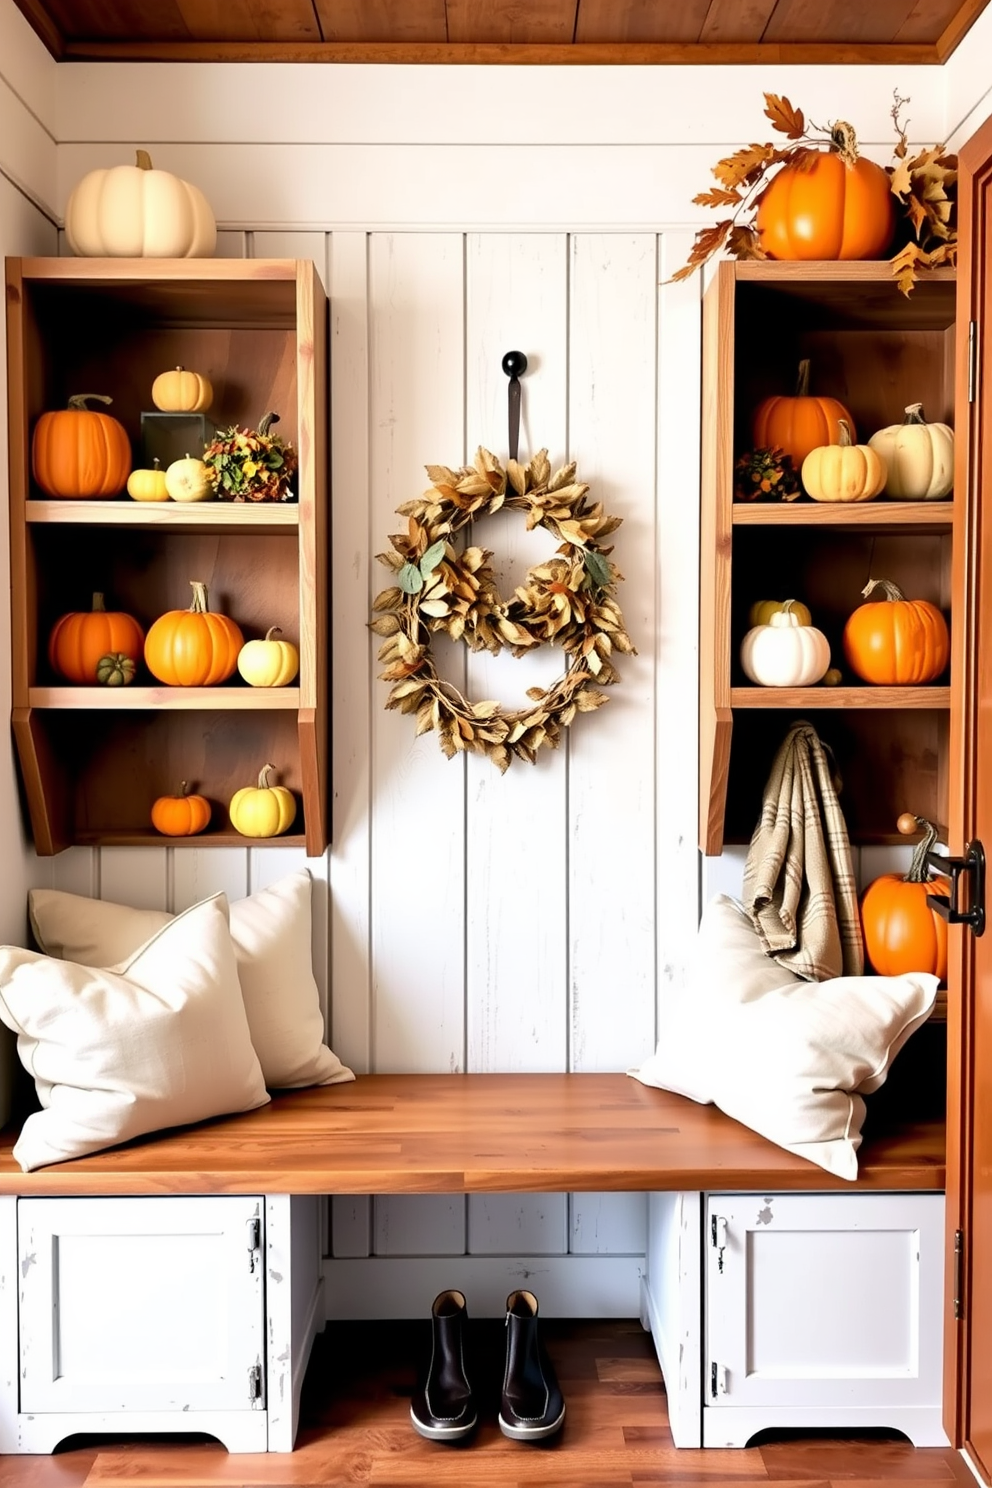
x,y
472,921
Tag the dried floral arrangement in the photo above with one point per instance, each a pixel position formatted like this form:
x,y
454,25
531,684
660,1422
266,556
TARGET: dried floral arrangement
x,y
763,473
569,601
924,188
250,464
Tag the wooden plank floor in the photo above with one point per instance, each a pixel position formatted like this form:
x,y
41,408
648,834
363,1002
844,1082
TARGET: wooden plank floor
x,y
356,1430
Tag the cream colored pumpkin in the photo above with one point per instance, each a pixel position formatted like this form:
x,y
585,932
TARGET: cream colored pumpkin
x,y
148,485
785,653
182,391
269,663
919,456
844,471
135,211
187,480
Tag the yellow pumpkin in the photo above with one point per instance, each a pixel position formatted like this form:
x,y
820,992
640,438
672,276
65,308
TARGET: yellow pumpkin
x,y
148,485
269,663
263,810
845,471
135,211
187,480
762,610
181,391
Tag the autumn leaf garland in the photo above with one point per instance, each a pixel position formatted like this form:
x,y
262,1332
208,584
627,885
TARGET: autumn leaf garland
x,y
442,588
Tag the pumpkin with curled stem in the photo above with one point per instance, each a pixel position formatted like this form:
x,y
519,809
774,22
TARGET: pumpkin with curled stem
x,y
919,457
263,810
78,452
180,816
269,663
115,670
902,933
837,206
896,642
194,647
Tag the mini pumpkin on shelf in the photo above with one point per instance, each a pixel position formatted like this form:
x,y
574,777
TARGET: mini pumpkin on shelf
x,y
79,452
268,662
263,810
115,670
844,471
182,391
148,485
180,816
187,480
251,465
919,457
762,610
785,653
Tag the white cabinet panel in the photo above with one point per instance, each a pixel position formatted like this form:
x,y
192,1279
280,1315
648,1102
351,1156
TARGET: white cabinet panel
x,y
141,1304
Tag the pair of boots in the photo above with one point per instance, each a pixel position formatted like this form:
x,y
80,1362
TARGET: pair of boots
x,y
531,1404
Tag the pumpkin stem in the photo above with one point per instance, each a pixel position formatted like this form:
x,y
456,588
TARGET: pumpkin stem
x,y
785,616
918,870
263,776
266,422
199,605
143,160
99,605
802,379
845,441
273,630
844,142
892,591
78,400
914,414
183,786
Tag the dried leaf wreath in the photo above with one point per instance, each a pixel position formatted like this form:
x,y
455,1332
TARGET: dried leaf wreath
x,y
925,189
569,601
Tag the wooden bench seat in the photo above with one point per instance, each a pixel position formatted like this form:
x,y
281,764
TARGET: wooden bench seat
x,y
479,1133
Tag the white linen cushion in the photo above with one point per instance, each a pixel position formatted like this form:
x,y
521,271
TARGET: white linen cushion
x,y
788,1058
160,1041
271,935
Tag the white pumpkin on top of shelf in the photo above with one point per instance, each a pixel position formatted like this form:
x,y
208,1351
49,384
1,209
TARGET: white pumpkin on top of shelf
x,y
919,456
135,211
187,480
785,653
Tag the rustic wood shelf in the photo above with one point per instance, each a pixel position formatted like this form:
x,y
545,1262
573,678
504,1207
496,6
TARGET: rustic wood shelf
x,y
93,759
840,697
926,516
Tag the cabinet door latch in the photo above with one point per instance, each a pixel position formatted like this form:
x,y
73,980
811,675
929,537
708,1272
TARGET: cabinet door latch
x,y
718,1238
255,1384
973,864
718,1379
254,1228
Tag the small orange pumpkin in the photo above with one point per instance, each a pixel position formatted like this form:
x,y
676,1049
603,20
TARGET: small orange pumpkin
x,y
834,208
79,452
800,423
896,642
182,815
902,933
194,647
80,640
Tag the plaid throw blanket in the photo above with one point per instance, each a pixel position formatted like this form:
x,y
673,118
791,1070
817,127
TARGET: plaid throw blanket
x,y
799,887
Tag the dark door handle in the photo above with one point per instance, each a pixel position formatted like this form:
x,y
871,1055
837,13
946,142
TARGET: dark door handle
x,y
949,909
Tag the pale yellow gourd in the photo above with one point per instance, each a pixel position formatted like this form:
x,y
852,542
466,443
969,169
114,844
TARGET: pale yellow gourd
x,y
182,391
148,485
269,663
762,610
919,456
187,480
135,211
785,653
263,810
844,471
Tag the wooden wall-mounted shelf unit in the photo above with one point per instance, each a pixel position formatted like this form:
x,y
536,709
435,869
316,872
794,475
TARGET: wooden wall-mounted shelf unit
x,y
877,351
93,759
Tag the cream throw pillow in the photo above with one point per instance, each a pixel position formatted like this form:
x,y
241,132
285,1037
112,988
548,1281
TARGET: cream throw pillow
x,y
788,1058
160,1041
271,935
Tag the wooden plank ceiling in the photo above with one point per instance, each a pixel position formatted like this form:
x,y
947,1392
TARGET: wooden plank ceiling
x,y
841,32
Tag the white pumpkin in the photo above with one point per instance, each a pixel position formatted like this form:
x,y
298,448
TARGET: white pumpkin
x,y
919,456
784,653
134,211
188,480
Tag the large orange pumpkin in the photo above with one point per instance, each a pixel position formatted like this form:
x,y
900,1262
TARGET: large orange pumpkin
x,y
80,640
902,933
194,647
896,642
836,208
78,452
799,423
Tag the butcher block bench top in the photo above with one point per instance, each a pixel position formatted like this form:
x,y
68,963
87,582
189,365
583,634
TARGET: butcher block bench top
x,y
475,1133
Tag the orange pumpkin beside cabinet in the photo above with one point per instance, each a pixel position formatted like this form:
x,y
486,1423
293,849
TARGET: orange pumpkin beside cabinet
x,y
896,642
80,640
799,423
830,209
902,933
78,452
182,815
194,647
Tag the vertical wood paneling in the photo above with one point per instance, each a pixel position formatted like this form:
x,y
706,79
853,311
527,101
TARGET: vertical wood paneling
x,y
138,876
418,836
517,1224
197,873
419,1225
608,1224
612,407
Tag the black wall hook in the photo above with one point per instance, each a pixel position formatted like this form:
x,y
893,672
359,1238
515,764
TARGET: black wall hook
x,y
514,365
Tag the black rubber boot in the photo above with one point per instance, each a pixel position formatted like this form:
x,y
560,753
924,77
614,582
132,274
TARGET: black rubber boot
x,y
532,1407
444,1408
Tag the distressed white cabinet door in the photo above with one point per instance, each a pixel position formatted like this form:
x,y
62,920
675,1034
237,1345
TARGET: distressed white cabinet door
x,y
823,1300
141,1304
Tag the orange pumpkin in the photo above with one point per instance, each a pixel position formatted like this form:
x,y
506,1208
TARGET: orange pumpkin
x,y
902,933
896,642
800,423
194,647
832,209
80,640
78,452
182,815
